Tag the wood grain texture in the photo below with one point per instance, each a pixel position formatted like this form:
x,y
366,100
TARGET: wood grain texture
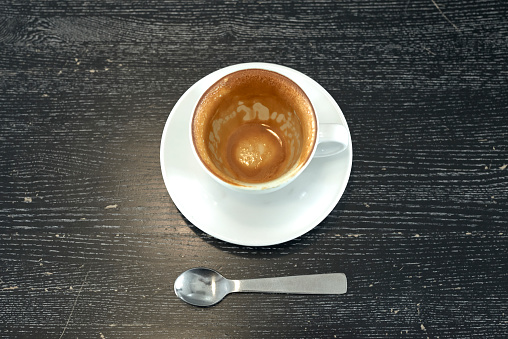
x,y
90,241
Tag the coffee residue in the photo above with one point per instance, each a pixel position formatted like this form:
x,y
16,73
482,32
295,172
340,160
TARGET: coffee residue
x,y
256,153
247,127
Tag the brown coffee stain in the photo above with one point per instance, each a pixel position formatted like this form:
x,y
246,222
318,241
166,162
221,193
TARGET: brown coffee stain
x,y
256,153
253,126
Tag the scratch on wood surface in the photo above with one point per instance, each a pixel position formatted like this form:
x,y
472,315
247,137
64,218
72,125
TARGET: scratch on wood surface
x,y
110,206
75,302
422,326
444,16
428,50
407,4
424,329
10,288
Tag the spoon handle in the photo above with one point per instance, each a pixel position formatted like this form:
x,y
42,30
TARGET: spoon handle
x,y
331,283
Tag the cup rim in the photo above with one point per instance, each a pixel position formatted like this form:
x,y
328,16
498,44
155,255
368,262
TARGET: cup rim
x,y
273,184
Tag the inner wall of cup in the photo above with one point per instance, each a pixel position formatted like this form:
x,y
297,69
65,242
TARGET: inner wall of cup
x,y
247,100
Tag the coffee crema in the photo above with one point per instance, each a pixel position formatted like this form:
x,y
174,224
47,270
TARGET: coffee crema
x,y
253,126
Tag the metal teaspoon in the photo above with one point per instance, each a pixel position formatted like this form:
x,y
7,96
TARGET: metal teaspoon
x,y
206,287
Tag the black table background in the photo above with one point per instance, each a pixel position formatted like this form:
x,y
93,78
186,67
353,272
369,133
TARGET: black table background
x,y
90,241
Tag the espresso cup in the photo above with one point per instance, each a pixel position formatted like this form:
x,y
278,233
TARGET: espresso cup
x,y
255,130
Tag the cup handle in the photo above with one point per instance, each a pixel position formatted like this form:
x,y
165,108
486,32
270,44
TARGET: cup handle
x,y
332,139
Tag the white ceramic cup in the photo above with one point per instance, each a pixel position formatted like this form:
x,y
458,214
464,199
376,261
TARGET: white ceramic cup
x,y
320,140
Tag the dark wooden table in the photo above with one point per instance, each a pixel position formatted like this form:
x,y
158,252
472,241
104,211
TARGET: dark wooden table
x,y
91,242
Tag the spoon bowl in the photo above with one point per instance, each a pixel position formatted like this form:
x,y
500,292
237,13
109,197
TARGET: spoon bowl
x,y
206,287
202,286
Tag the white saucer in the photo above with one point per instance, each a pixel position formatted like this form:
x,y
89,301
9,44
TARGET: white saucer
x,y
247,219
